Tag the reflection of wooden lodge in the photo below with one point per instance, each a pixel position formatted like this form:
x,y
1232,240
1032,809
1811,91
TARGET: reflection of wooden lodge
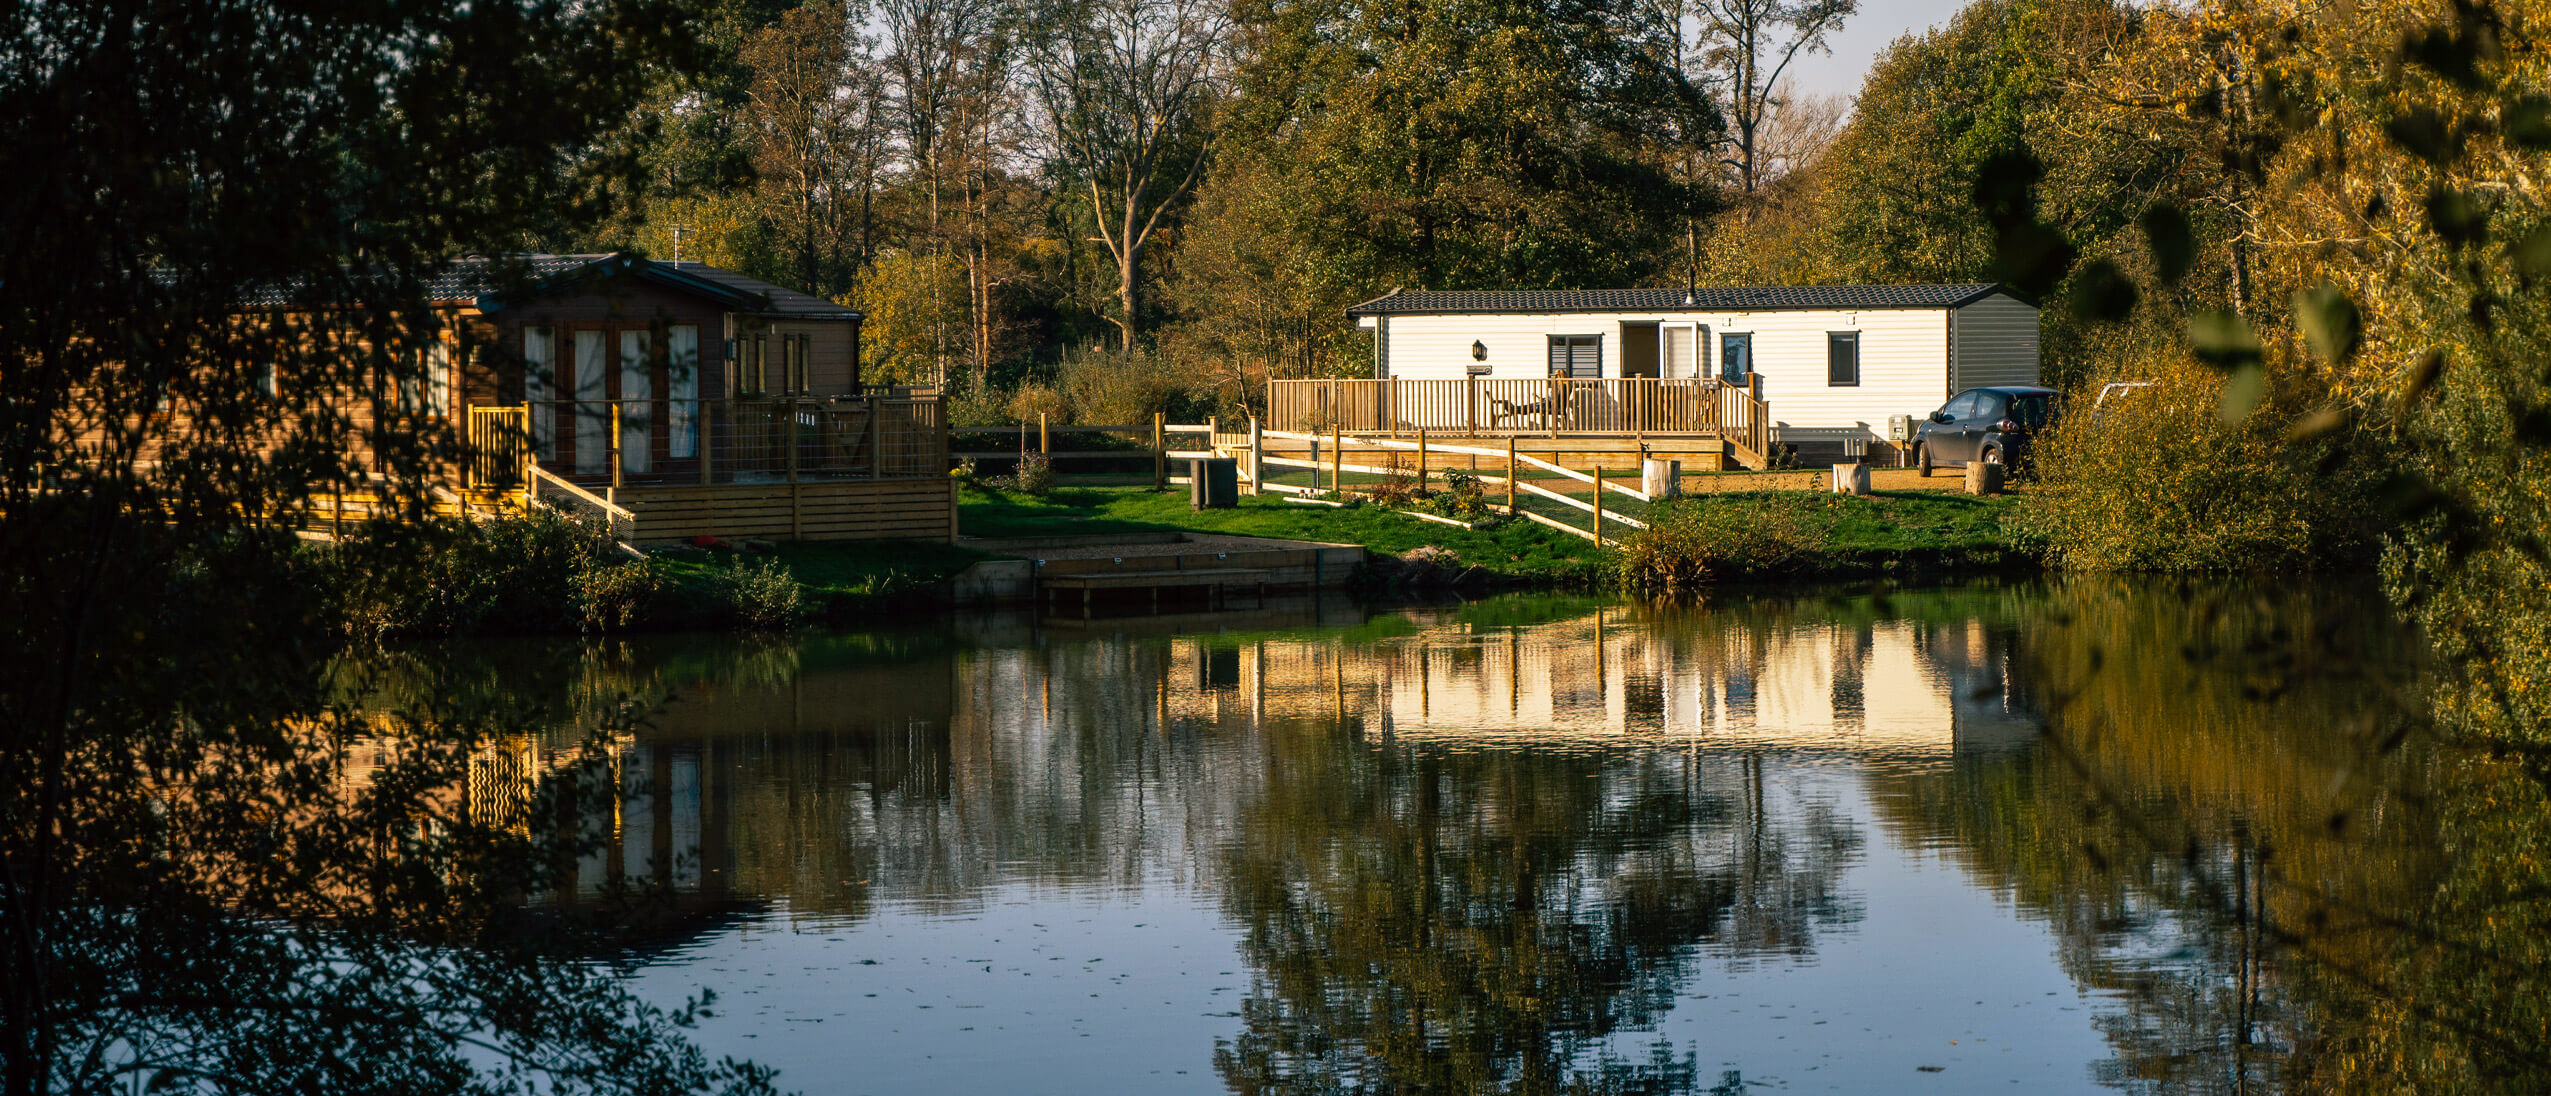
x,y
1899,687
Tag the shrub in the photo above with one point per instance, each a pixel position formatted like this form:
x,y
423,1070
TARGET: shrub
x,y
519,572
978,406
1461,497
1399,488
2158,480
1035,475
764,596
1127,389
615,597
1692,542
1033,400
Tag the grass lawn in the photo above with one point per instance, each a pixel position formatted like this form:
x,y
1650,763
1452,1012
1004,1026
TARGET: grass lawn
x,y
1843,535
1514,548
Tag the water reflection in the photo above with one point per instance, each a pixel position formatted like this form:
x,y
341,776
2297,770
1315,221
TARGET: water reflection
x,y
1515,845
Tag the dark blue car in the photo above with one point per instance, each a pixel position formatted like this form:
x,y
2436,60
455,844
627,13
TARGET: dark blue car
x,y
1992,425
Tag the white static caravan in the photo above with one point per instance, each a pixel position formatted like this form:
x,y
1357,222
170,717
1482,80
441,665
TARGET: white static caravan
x,y
1833,359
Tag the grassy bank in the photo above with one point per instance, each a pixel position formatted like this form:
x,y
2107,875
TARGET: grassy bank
x,y
542,573
1506,551
1722,537
1774,535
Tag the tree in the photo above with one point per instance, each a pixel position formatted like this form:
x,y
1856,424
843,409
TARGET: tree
x,y
217,872
813,125
1752,43
1126,88
911,303
948,63
1448,145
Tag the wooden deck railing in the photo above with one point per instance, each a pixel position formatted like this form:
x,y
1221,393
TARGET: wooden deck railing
x,y
720,441
1483,407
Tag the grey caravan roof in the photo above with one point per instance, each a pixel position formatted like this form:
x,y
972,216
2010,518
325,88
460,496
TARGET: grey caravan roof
x,y
1744,299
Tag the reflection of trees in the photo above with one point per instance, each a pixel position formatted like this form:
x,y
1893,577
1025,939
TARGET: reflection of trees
x,y
1481,921
2231,831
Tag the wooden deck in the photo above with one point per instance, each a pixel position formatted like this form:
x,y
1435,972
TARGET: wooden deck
x,y
1629,410
842,468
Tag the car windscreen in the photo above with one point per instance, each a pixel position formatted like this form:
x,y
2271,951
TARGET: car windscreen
x,y
2033,411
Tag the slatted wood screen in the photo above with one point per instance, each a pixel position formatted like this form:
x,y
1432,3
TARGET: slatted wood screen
x,y
821,510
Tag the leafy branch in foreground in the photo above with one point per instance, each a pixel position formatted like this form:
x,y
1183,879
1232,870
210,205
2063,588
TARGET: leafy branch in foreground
x,y
224,864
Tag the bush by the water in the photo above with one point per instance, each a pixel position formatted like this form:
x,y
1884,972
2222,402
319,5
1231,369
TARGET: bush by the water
x,y
2171,478
1692,542
763,596
536,572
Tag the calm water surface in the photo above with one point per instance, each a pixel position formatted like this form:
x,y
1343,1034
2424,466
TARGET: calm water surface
x,y
2024,839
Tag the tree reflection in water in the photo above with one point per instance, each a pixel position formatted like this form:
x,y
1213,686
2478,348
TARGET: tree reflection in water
x,y
1438,920
1485,849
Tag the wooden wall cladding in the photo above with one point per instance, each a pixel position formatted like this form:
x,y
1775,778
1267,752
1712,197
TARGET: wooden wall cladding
x,y
910,509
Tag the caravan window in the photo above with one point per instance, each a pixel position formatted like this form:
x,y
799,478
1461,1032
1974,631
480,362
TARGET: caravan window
x,y
1842,359
1576,355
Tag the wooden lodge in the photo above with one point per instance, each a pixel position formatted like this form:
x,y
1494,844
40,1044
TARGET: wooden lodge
x,y
681,400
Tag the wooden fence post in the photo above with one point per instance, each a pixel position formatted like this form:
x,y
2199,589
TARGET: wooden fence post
x,y
1470,404
1510,474
1159,453
876,436
1257,456
1421,458
708,434
1597,519
615,447
1043,446
1337,460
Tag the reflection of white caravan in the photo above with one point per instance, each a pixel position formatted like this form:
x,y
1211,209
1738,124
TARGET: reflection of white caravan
x,y
1893,687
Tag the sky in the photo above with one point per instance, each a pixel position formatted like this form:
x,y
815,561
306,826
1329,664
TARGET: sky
x,y
1879,24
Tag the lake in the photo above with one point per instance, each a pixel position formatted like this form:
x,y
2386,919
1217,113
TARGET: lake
x,y
2048,837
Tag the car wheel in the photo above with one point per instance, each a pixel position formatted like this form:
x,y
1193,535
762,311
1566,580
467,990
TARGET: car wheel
x,y
1922,459
1993,454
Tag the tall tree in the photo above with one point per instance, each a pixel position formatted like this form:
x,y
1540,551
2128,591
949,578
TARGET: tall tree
x,y
813,113
1751,46
1448,144
1126,89
946,61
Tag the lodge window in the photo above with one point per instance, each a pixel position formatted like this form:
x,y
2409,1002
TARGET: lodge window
x,y
1842,359
1736,357
1576,355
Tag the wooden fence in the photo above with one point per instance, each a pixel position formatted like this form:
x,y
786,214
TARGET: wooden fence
x,y
1555,406
1157,442
1338,453
708,442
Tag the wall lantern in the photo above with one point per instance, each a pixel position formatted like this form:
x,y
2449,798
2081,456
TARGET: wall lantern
x,y
1478,351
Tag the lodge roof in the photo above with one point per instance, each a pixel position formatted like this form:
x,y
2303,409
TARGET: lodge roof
x,y
1763,298
484,281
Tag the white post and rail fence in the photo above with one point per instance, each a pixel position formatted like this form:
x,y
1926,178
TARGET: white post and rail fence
x,y
1330,458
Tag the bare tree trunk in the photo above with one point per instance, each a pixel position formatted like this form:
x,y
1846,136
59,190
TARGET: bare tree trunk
x,y
1128,290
